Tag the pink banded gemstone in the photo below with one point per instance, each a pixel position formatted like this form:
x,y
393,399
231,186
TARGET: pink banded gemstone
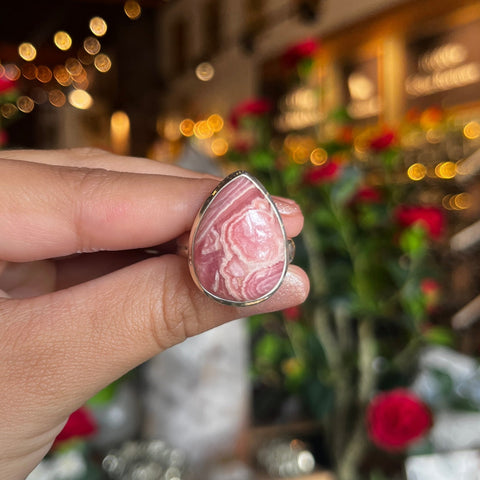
x,y
239,249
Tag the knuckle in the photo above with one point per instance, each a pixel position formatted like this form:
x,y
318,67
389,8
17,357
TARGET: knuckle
x,y
174,315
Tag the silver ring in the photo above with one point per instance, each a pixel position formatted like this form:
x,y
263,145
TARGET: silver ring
x,y
238,251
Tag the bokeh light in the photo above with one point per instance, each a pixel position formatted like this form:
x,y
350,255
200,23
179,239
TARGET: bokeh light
x,y
73,66
202,130
186,127
25,104
219,146
132,9
446,170
98,26
102,62
57,98
12,72
471,130
205,71
318,156
29,71
8,110
215,122
62,76
417,171
62,40
80,99
91,45
44,74
27,51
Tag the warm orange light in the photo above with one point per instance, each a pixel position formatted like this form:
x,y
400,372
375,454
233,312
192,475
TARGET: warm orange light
x,y
318,156
57,98
132,9
62,40
98,26
472,130
29,71
44,74
186,127
80,99
417,171
27,51
446,170
12,72
73,67
91,45
202,130
62,76
120,132
25,104
219,147
102,62
215,122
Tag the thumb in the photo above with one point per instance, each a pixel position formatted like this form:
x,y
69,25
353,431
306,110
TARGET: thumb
x,y
67,345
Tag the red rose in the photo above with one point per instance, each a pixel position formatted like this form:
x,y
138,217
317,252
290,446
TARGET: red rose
x,y
80,424
382,141
396,419
292,314
322,174
431,218
431,291
368,195
299,51
255,108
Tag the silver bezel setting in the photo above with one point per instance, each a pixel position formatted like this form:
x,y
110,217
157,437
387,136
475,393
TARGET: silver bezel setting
x,y
193,232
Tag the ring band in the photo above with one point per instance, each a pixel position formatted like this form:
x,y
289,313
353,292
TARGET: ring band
x,y
238,251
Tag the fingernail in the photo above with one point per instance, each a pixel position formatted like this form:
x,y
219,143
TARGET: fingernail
x,y
286,206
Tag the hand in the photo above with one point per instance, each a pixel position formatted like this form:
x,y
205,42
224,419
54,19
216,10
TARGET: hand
x,y
81,303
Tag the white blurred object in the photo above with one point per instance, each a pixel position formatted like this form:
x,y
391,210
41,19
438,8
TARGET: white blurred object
x,y
70,465
454,430
463,465
197,393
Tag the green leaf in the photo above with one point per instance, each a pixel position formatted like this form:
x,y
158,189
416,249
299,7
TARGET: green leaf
x,y
104,396
262,160
440,336
413,240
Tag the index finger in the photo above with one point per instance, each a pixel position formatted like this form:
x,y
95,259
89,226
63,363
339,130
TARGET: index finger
x,y
50,211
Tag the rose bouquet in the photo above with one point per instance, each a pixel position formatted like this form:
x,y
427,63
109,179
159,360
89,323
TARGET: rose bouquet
x,y
349,354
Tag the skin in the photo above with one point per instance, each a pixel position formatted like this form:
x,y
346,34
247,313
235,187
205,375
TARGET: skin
x,y
81,303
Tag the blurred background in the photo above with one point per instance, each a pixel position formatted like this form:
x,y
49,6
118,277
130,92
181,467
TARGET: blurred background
x,y
367,113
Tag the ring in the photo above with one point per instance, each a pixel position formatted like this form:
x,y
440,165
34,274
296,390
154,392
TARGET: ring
x,y
238,251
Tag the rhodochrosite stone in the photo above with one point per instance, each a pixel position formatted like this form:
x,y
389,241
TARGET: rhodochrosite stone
x,y
239,249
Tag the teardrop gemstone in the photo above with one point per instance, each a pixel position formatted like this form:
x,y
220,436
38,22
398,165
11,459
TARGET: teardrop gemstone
x,y
238,250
